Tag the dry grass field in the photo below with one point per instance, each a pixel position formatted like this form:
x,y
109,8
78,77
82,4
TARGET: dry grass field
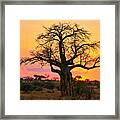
x,y
50,91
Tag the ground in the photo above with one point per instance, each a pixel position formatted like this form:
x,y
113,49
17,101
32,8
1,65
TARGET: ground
x,y
49,90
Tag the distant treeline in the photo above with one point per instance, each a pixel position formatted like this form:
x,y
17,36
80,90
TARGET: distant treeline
x,y
38,77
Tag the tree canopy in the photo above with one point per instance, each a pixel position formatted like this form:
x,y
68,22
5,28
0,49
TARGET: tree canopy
x,y
65,44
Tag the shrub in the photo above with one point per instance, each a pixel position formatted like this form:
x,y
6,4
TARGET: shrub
x,y
38,89
26,87
50,86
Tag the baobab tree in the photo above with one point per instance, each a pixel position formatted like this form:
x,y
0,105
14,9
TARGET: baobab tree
x,y
65,46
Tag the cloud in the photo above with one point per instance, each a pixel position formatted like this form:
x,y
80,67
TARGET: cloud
x,y
38,69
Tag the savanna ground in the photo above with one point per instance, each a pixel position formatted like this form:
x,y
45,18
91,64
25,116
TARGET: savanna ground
x,y
50,90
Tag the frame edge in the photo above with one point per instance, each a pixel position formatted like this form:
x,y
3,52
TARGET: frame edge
x,y
2,62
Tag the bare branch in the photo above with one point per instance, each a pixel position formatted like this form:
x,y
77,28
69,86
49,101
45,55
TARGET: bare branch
x,y
86,65
87,45
82,66
55,70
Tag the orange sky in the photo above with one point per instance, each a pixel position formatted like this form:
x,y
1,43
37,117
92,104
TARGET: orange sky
x,y
29,29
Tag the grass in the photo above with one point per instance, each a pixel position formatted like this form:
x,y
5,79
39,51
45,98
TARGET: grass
x,y
49,90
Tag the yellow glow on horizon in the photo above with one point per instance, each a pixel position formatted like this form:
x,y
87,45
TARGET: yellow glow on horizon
x,y
83,78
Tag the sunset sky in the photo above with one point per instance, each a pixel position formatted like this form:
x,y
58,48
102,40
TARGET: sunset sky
x,y
29,29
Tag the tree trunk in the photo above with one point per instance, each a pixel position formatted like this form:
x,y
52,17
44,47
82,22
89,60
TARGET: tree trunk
x,y
65,82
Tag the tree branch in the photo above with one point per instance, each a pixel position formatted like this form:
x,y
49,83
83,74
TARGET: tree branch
x,y
82,66
95,61
35,59
76,54
55,70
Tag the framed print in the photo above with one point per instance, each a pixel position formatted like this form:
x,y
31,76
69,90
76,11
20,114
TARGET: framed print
x,y
60,60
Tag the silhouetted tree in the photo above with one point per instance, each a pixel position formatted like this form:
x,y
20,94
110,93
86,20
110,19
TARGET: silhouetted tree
x,y
65,46
40,77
